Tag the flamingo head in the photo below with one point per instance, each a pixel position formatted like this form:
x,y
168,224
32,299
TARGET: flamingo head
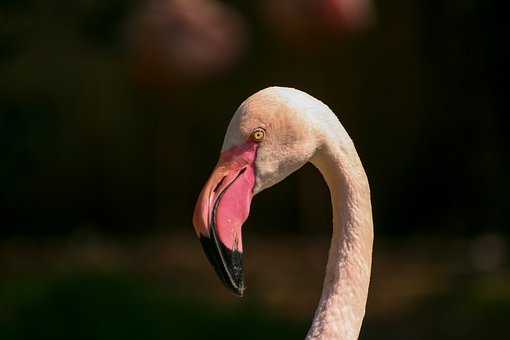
x,y
272,134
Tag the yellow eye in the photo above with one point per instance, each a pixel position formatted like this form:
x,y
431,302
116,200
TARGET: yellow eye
x,y
258,135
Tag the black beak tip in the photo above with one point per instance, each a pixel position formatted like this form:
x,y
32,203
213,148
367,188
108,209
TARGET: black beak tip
x,y
239,292
226,263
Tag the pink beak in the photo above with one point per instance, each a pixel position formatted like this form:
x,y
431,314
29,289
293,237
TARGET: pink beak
x,y
222,208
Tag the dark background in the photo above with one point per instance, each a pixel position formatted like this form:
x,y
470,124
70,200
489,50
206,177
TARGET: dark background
x,y
112,115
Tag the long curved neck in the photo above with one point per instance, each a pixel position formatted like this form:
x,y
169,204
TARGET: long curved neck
x,y
342,305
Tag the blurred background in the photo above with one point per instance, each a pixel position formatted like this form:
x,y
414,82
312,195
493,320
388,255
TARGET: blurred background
x,y
112,115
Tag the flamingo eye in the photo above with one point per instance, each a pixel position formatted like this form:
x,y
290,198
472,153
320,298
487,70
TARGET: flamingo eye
x,y
258,135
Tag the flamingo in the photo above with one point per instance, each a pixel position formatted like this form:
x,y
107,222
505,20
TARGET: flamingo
x,y
272,134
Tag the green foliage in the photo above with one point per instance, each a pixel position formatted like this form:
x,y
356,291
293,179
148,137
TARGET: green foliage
x,y
118,306
109,307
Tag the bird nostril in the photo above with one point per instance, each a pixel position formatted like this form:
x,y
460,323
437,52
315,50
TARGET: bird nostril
x,y
223,180
219,184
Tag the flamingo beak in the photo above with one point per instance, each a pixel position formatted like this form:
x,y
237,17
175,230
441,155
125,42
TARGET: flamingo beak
x,y
222,208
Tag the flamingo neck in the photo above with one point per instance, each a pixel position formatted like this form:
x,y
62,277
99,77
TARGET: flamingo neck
x,y
341,309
